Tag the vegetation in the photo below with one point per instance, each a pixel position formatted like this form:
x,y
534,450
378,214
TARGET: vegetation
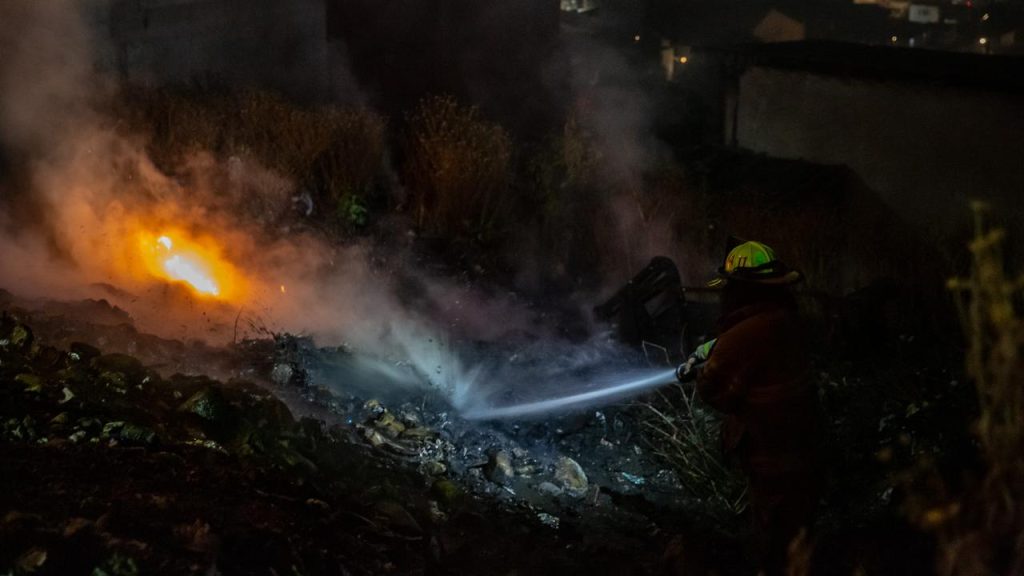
x,y
981,530
338,152
684,433
457,168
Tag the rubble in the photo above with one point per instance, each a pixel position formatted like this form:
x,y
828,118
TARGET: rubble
x,y
499,467
571,475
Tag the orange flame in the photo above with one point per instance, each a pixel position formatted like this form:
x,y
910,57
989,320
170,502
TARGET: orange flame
x,y
174,257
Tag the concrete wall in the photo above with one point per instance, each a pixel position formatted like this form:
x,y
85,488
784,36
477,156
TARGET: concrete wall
x,y
280,44
924,148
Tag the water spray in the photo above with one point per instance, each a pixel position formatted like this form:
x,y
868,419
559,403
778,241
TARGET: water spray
x,y
614,391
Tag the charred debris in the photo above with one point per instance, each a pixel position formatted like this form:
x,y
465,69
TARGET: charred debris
x,y
125,456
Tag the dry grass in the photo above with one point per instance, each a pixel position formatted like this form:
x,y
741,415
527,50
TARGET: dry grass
x,y
458,170
981,531
341,151
685,434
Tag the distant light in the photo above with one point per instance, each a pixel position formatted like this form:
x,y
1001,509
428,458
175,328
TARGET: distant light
x,y
636,38
895,39
982,40
984,17
683,59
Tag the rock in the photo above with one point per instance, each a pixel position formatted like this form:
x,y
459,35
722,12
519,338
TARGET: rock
x,y
549,489
21,338
526,470
121,363
374,406
397,517
31,561
446,491
375,438
135,435
548,520
282,374
434,468
318,504
437,516
110,427
389,425
29,382
571,476
499,468
209,404
116,381
82,352
418,433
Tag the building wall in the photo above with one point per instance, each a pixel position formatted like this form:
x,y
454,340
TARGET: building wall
x,y
279,44
925,149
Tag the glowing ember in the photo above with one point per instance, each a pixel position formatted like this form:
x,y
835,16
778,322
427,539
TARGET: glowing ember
x,y
176,259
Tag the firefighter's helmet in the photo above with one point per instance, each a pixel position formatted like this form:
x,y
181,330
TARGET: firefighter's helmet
x,y
755,262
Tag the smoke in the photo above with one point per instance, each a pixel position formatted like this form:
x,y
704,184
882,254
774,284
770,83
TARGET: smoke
x,y
617,112
93,193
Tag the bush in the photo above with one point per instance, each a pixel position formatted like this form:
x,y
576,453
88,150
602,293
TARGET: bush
x,y
457,168
349,168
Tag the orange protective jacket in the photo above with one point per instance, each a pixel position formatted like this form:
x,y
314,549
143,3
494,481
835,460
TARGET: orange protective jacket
x,y
758,376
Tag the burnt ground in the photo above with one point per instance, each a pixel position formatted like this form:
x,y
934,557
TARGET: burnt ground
x,y
125,453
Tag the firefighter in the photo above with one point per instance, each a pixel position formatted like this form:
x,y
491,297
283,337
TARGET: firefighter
x,y
756,374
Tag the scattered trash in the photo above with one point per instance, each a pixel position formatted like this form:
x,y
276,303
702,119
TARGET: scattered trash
x,y
548,520
633,479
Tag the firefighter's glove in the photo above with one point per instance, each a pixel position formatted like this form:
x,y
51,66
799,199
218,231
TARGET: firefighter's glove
x,y
687,371
704,350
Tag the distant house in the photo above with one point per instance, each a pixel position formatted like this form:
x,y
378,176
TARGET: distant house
x,y
778,27
927,130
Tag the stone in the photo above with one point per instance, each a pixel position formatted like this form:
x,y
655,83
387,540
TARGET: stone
x,y
122,363
499,468
571,476
397,517
29,382
445,491
389,425
136,435
115,381
434,468
418,433
549,489
208,403
21,338
31,560
375,438
82,352
110,427
548,520
282,374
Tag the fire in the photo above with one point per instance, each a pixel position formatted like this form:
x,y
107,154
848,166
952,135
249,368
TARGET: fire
x,y
174,257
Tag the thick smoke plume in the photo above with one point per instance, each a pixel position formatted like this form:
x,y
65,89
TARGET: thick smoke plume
x,y
86,191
